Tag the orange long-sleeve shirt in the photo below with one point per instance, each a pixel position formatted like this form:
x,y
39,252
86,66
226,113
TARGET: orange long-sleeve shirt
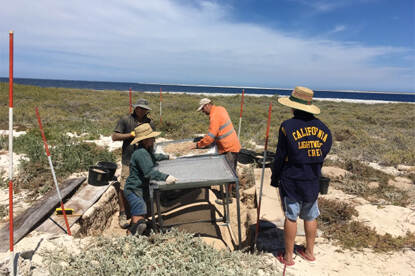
x,y
220,131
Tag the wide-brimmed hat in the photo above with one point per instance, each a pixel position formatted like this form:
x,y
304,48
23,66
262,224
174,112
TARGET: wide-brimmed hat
x,y
301,98
143,103
144,131
203,102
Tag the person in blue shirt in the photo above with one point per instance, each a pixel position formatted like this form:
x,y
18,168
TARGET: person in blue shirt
x,y
303,143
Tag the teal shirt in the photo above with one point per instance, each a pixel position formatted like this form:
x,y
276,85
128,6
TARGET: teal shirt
x,y
142,170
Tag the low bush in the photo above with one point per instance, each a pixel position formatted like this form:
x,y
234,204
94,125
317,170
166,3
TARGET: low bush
x,y
357,183
369,132
68,156
172,253
336,223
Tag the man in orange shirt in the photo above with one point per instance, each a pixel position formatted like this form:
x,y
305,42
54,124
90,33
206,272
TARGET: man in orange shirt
x,y
220,131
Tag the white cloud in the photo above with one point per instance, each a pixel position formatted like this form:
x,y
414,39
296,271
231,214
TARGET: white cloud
x,y
166,41
338,28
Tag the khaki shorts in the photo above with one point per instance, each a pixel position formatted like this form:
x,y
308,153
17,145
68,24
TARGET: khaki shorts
x,y
125,172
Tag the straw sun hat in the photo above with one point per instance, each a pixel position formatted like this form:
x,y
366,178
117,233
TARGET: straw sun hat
x,y
301,98
144,131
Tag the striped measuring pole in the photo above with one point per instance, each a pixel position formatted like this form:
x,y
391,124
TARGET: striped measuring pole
x,y
131,103
53,171
161,100
263,172
11,238
240,113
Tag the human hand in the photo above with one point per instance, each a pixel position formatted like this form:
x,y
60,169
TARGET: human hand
x,y
171,179
132,133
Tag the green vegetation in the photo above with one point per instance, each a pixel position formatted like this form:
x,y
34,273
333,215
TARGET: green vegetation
x,y
357,183
68,156
3,211
173,253
377,132
335,221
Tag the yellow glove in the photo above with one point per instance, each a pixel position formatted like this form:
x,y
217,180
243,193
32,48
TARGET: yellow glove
x,y
132,133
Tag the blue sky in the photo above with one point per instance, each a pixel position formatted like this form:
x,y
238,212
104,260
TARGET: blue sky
x,y
322,44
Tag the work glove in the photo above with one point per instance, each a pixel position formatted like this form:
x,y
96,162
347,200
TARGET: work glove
x,y
132,133
197,139
171,179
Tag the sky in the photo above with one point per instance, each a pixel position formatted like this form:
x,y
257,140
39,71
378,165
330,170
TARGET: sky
x,y
321,44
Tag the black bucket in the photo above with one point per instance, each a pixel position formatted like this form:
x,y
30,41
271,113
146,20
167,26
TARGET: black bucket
x,y
246,156
110,166
324,185
98,176
268,161
260,159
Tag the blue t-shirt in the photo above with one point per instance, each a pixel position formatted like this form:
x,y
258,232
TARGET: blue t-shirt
x,y
303,143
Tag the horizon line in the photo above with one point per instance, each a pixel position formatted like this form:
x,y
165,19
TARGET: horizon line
x,y
227,86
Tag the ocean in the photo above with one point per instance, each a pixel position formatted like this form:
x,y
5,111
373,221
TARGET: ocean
x,y
147,87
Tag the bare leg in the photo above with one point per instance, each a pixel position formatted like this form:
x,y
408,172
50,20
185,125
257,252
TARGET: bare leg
x,y
135,219
121,200
310,229
290,231
136,227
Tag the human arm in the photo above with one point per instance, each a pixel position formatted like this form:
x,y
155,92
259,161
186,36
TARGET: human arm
x,y
213,131
280,157
116,136
122,131
148,169
160,156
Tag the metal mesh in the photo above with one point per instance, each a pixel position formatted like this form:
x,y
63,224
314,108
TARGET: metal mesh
x,y
198,171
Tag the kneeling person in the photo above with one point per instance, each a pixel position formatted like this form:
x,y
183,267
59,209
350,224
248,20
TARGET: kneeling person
x,y
142,170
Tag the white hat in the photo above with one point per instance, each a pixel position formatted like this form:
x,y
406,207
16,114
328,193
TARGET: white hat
x,y
301,98
203,102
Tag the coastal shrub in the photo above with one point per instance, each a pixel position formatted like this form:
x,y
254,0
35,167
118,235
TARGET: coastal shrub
x,y
366,132
357,182
68,156
343,134
334,212
4,142
336,223
355,235
172,253
4,179
389,193
4,210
